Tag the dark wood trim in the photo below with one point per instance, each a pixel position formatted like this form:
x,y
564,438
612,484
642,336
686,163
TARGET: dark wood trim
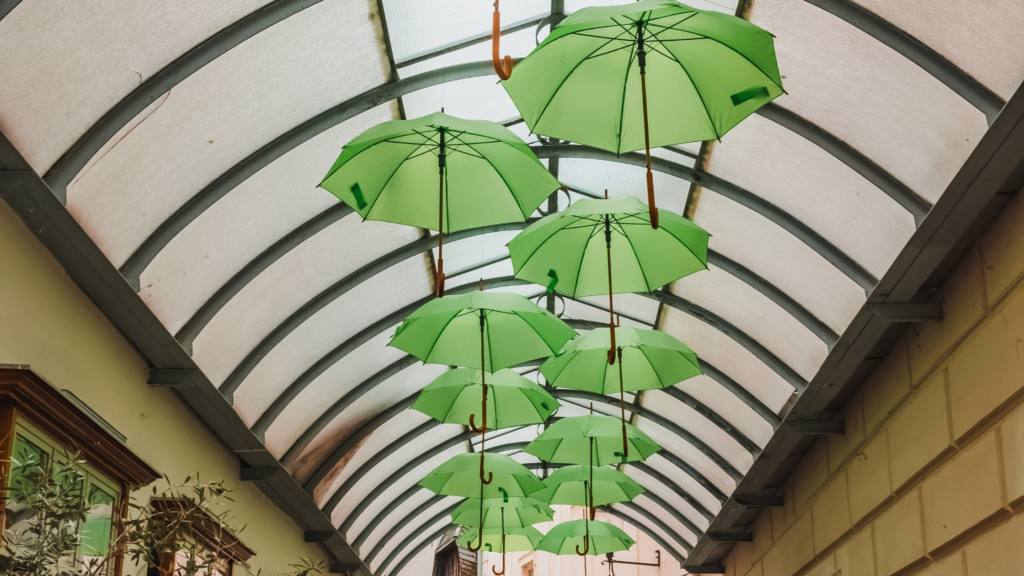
x,y
49,410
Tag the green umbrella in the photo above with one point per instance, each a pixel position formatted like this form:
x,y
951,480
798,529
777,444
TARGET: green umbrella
x,y
594,537
587,81
518,512
505,328
511,539
485,175
577,439
648,360
453,397
605,247
580,485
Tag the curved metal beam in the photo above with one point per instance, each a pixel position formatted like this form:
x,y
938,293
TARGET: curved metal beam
x,y
76,157
671,485
786,221
6,6
214,191
742,393
401,472
917,205
660,420
344,402
725,327
695,474
405,522
917,52
653,518
332,293
643,527
415,550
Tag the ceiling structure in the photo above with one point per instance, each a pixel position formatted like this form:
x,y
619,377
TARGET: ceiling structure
x,y
186,140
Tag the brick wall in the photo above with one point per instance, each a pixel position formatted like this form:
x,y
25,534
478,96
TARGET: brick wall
x,y
929,477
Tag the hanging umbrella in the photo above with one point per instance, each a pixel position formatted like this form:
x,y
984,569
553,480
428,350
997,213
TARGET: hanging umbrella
x,y
502,539
587,82
485,175
605,247
647,360
568,441
580,485
505,328
459,476
454,397
518,512
585,537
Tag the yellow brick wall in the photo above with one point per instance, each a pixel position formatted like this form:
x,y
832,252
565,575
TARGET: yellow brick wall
x,y
929,477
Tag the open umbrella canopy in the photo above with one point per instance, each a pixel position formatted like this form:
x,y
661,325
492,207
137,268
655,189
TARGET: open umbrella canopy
x,y
594,245
705,72
460,476
448,331
564,538
651,360
512,399
517,539
519,512
391,173
570,485
568,441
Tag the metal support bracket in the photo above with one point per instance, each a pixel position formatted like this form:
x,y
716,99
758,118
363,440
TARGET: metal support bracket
x,y
907,312
318,537
610,560
730,536
257,474
817,426
704,568
753,500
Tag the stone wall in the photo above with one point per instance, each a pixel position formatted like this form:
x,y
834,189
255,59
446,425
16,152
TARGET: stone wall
x,y
929,477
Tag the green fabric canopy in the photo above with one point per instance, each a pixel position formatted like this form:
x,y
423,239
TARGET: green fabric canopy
x,y
568,441
571,485
459,476
651,359
705,72
391,173
517,539
519,512
512,400
574,246
568,538
448,331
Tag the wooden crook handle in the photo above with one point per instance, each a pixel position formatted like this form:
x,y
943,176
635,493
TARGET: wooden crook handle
x,y
502,66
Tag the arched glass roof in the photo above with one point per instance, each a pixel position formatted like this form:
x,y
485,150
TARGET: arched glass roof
x,y
187,139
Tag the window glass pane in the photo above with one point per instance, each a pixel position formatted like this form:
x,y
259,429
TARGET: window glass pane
x,y
96,530
625,180
477,98
515,45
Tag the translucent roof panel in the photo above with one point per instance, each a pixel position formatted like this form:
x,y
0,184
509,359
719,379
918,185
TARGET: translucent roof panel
x,y
622,180
661,465
235,230
417,27
363,409
297,278
729,357
667,495
981,40
703,429
221,114
780,258
689,453
416,534
515,45
640,307
812,185
870,96
713,395
395,518
757,316
725,6
477,98
640,520
59,79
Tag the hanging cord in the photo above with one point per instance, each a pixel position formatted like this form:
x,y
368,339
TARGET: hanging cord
x,y
480,533
440,218
641,58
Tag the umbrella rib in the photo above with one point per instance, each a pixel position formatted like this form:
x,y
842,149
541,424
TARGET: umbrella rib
x,y
386,182
429,352
622,102
545,241
503,180
742,55
695,89
637,256
562,83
